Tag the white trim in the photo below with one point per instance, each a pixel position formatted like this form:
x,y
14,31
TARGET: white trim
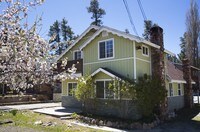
x,y
169,52
77,51
172,90
68,87
179,84
104,80
104,71
118,33
106,58
77,40
177,81
121,59
146,47
134,60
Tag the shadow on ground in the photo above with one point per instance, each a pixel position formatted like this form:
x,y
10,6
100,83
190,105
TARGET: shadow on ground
x,y
188,120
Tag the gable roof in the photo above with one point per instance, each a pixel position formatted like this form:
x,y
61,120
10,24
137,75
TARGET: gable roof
x,y
174,73
118,33
107,72
77,40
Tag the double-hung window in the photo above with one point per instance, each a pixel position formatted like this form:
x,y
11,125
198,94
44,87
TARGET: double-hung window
x,y
103,90
106,49
77,55
171,92
179,89
71,88
145,51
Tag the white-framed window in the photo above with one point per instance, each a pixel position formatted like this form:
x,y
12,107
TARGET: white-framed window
x,y
103,90
106,49
179,89
71,87
171,91
77,55
145,50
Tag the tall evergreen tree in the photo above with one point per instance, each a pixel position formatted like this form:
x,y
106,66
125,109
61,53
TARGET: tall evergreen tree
x,y
54,33
147,26
183,40
61,36
97,12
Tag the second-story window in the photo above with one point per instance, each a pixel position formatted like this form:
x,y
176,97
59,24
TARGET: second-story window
x,y
77,55
145,51
106,49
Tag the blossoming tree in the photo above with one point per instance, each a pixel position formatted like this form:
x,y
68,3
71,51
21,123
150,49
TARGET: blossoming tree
x,y
24,58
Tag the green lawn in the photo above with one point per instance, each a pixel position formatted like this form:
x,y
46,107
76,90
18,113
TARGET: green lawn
x,y
25,120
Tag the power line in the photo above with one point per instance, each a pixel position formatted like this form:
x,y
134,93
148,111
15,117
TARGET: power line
x,y
142,10
130,17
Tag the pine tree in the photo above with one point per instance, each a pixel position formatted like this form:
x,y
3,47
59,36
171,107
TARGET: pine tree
x,y
54,33
97,12
61,36
147,26
183,40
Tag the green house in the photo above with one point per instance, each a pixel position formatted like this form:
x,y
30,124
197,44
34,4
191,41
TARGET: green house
x,y
106,53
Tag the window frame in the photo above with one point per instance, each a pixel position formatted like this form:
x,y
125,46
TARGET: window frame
x,y
72,88
104,83
179,89
146,48
171,90
112,39
75,52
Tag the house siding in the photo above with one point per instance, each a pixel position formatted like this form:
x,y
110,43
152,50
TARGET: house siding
x,y
122,67
69,54
122,63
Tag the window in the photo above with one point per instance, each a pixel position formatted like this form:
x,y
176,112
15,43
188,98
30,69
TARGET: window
x,y
102,90
106,49
179,89
145,51
171,92
77,55
71,88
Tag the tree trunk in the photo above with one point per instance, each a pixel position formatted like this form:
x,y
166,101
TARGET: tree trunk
x,y
188,85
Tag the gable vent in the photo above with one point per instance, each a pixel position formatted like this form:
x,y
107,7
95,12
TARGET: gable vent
x,y
104,34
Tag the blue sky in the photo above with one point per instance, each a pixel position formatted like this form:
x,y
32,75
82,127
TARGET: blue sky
x,y
169,14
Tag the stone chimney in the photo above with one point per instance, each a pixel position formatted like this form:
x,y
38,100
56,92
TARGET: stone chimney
x,y
158,65
156,37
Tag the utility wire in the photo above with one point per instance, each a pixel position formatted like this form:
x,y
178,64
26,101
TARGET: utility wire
x,y
130,17
142,10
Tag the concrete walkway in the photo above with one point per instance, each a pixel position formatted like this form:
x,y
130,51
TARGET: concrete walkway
x,y
30,106
58,111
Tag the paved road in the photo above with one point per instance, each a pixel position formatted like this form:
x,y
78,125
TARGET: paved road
x,y
30,106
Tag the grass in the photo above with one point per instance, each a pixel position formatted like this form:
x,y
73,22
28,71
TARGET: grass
x,y
26,119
